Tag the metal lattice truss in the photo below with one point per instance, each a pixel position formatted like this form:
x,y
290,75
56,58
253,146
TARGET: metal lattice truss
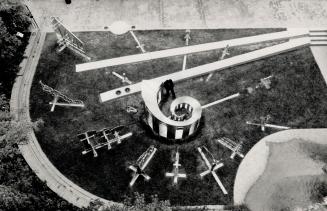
x,y
94,140
141,164
233,146
58,95
68,39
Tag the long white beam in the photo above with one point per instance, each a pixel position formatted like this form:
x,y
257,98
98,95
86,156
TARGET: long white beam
x,y
290,33
208,68
221,100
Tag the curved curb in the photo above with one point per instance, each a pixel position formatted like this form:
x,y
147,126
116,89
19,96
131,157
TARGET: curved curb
x,y
32,151
260,151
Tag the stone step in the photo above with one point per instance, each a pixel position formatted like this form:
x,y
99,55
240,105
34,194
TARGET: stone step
x,y
319,43
318,30
318,38
318,34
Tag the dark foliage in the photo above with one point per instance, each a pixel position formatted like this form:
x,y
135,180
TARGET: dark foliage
x,y
20,189
13,18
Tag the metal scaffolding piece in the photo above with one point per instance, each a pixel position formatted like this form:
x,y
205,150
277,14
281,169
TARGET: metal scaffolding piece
x,y
141,164
175,174
58,95
212,166
231,145
67,39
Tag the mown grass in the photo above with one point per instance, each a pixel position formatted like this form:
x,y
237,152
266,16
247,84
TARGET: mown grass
x,y
297,99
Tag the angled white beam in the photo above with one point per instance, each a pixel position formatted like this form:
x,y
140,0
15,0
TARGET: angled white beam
x,y
184,62
187,39
291,33
221,100
223,54
139,45
222,187
211,67
124,79
268,125
67,104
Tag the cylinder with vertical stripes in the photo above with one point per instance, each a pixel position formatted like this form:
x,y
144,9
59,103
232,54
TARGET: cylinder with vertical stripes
x,y
185,113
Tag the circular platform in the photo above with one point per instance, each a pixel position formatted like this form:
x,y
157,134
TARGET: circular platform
x,y
119,27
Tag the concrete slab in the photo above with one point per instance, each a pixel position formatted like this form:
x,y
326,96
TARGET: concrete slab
x,y
320,54
188,10
90,15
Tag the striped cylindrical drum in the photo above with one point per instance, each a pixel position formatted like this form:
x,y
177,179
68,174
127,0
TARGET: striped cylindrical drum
x,y
185,113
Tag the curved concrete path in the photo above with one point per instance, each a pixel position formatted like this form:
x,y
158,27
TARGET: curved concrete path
x,y
32,152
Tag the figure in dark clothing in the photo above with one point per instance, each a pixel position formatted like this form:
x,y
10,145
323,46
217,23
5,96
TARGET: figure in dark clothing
x,y
169,87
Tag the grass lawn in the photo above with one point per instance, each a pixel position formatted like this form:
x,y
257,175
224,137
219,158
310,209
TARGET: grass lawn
x,y
298,99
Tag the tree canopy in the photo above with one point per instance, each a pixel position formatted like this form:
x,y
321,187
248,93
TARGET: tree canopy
x,y
14,18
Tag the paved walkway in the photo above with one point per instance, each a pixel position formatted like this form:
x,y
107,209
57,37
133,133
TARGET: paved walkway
x,y
85,15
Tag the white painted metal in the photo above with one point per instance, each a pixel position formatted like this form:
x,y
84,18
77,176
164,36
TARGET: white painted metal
x,y
224,53
219,165
268,125
124,79
221,100
139,45
208,68
291,33
147,158
231,145
175,174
